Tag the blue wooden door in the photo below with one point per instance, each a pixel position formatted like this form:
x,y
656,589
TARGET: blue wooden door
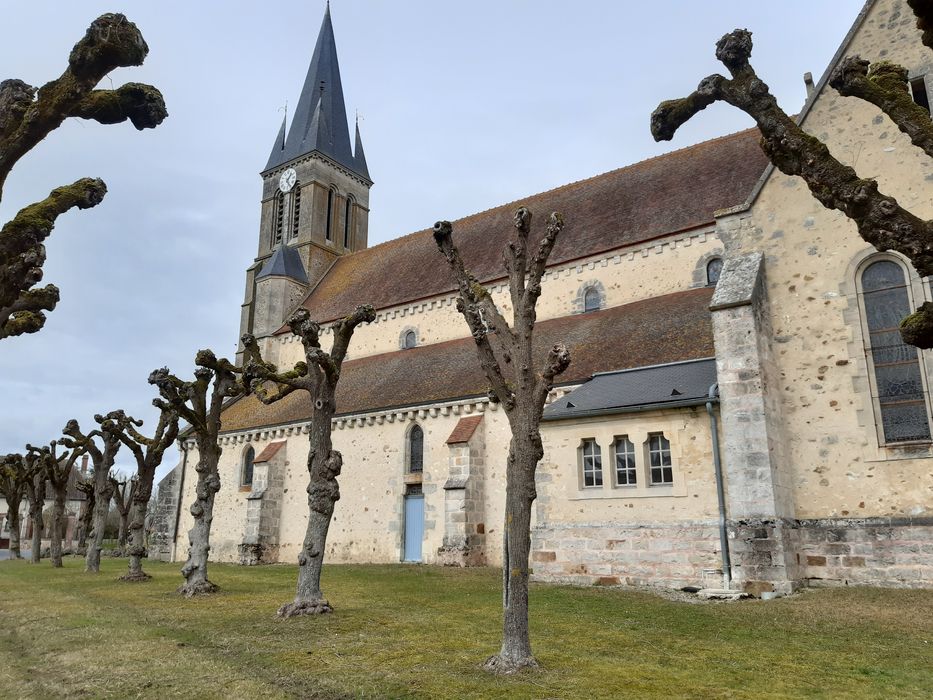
x,y
414,527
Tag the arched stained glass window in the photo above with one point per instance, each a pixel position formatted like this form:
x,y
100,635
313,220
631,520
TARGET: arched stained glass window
x,y
415,450
249,454
898,374
713,270
591,300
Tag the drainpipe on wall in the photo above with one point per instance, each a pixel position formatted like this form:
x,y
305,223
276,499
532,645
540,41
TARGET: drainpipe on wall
x,y
720,494
183,445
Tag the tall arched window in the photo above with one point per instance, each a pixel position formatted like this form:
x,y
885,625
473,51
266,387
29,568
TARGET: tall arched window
x,y
296,209
409,339
896,367
415,450
246,471
591,300
279,215
347,216
713,270
328,226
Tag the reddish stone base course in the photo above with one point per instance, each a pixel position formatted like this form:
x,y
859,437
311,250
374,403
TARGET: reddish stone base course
x,y
767,555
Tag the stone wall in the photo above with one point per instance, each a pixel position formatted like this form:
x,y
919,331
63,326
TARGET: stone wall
x,y
163,515
659,554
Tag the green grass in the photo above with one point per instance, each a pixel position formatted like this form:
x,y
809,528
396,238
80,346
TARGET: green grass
x,y
411,631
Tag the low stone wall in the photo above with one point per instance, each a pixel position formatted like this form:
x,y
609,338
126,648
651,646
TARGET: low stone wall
x,y
895,552
661,554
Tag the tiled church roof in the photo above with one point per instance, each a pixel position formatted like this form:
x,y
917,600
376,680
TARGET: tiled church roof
x,y
653,331
657,197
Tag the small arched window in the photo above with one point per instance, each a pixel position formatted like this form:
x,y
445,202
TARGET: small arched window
x,y
279,216
896,367
409,339
713,270
415,450
296,209
625,462
329,224
246,472
347,221
659,460
591,301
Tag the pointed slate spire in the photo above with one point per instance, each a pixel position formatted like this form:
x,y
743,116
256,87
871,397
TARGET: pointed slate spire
x,y
358,156
320,119
278,148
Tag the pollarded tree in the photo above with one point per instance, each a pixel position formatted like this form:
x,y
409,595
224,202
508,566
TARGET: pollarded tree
x,y
103,460
27,116
57,469
86,516
35,494
318,375
200,403
148,453
13,489
880,220
506,354
123,490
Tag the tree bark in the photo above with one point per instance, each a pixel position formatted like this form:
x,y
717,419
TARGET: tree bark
x,y
199,536
36,494
137,541
14,523
520,494
508,363
58,527
103,492
324,465
87,513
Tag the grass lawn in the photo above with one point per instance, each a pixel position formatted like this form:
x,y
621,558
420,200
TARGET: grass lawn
x,y
415,631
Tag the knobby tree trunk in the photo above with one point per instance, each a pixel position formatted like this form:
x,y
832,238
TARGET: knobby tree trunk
x,y
58,528
318,375
103,492
36,494
190,401
134,503
324,465
87,512
508,359
202,510
14,523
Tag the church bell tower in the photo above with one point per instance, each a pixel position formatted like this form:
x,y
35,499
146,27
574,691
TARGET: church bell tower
x,y
315,197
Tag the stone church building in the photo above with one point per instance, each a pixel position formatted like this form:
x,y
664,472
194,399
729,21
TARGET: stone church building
x,y
739,401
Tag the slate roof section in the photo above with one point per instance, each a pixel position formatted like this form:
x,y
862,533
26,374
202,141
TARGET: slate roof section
x,y
675,192
269,451
660,386
464,430
659,330
284,262
320,120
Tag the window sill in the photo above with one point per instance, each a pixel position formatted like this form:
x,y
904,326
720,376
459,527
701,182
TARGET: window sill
x,y
626,492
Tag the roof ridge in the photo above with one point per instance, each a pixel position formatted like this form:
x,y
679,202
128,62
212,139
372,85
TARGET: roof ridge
x,y
566,185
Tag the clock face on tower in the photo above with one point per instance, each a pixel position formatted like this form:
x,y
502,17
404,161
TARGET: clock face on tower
x,y
287,181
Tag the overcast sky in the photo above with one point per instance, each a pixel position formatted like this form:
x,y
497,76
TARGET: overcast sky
x,y
463,106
